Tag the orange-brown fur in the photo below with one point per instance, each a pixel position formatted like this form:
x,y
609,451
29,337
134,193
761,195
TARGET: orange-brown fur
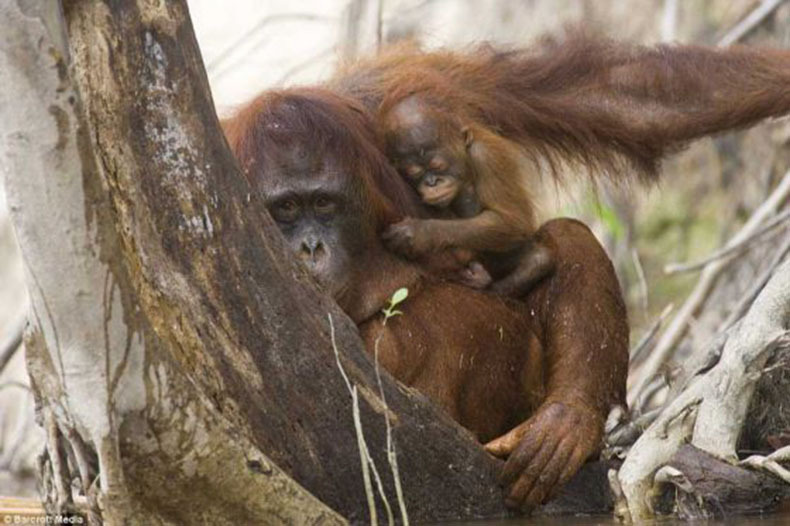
x,y
487,180
475,354
610,108
586,100
455,363
583,98
494,168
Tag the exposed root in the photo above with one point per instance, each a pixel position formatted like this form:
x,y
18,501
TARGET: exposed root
x,y
771,463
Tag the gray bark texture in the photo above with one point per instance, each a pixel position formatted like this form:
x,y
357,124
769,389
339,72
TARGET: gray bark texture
x,y
181,360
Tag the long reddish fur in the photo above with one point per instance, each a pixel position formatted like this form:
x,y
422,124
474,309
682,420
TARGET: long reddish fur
x,y
584,99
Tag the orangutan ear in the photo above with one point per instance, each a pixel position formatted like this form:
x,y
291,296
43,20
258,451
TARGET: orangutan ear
x,y
469,138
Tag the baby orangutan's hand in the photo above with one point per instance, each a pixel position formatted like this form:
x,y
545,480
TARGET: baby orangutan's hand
x,y
407,238
544,452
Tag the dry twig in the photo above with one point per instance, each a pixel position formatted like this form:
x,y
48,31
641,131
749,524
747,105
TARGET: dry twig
x,y
750,23
747,299
9,347
366,460
731,248
677,328
640,274
647,338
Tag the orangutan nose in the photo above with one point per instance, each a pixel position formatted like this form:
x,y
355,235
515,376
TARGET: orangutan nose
x,y
312,249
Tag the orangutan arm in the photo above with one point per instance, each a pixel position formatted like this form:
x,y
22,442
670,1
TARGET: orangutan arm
x,y
678,93
485,231
597,101
582,325
501,176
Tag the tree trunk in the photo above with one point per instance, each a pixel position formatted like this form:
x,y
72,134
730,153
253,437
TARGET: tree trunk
x,y
181,361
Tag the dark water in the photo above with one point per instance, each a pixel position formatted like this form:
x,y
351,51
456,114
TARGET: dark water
x,y
774,519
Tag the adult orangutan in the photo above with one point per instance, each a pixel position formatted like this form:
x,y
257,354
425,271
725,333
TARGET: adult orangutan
x,y
321,168
469,131
550,367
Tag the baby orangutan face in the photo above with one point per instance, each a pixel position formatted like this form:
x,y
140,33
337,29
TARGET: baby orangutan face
x,y
431,159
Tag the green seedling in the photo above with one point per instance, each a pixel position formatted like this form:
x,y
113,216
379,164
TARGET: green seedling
x,y
397,298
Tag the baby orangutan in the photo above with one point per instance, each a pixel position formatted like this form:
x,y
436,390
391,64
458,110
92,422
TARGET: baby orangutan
x,y
475,183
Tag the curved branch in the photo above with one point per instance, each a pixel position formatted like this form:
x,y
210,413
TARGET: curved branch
x,y
731,248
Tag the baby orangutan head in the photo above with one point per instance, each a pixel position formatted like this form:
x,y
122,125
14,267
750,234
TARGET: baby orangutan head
x,y
428,149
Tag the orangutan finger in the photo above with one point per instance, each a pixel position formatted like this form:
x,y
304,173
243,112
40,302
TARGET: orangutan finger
x,y
529,475
505,444
549,477
520,458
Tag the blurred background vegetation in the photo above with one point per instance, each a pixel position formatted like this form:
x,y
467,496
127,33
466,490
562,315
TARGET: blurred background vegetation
x,y
707,191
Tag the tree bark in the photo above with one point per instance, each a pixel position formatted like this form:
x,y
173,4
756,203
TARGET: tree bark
x,y
181,359
713,488
112,400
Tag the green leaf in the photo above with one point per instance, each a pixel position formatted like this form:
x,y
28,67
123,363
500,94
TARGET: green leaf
x,y
390,311
398,297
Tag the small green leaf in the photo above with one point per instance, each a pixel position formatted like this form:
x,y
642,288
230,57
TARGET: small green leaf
x,y
400,295
390,311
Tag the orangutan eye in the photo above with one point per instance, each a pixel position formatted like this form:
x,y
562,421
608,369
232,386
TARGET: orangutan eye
x,y
285,211
324,205
437,164
413,170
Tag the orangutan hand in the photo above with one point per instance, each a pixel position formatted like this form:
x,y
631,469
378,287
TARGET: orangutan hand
x,y
407,238
544,452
